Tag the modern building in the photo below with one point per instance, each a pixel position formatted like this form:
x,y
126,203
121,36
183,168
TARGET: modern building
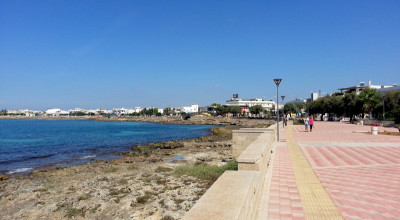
x,y
189,109
247,103
56,112
394,87
359,88
314,96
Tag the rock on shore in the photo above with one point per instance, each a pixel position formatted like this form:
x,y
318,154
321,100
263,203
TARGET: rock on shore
x,y
140,185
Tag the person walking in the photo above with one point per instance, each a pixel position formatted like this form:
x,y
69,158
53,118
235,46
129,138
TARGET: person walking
x,y
311,122
306,123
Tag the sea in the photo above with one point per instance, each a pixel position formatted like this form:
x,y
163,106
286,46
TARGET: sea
x,y
30,144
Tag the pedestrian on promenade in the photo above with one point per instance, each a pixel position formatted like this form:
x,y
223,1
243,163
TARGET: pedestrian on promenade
x,y
306,123
311,122
284,120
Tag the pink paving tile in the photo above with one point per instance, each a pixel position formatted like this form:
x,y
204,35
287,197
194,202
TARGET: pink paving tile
x,y
287,201
364,180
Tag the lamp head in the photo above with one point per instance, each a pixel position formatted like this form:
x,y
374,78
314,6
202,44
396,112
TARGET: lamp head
x,y
277,81
283,97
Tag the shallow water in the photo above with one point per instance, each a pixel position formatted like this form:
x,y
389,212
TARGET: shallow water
x,y
26,145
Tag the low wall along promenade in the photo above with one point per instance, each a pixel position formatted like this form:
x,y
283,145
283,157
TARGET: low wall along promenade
x,y
242,194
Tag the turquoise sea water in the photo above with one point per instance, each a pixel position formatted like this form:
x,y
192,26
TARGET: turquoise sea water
x,y
26,145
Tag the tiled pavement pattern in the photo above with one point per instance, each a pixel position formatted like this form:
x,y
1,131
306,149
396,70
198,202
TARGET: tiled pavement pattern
x,y
285,200
360,171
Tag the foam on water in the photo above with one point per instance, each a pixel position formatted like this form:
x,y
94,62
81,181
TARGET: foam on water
x,y
87,157
20,170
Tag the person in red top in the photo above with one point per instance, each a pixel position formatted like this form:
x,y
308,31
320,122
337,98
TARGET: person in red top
x,y
311,122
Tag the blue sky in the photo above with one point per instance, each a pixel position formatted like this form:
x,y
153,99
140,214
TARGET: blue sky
x,y
104,54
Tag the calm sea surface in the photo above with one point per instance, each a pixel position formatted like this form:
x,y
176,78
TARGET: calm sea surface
x,y
26,145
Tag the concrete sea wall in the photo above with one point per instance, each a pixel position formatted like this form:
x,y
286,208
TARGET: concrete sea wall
x,y
242,194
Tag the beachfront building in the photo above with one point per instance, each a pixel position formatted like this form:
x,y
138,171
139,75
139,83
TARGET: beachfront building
x,y
56,112
188,109
138,109
247,103
359,88
122,111
25,112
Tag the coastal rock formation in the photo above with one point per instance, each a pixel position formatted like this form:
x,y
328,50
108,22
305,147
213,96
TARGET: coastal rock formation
x,y
140,185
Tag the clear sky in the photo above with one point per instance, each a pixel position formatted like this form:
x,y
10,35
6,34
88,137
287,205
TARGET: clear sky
x,y
105,54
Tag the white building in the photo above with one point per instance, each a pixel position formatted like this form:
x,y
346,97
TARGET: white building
x,y
362,86
189,109
314,96
55,112
235,101
138,109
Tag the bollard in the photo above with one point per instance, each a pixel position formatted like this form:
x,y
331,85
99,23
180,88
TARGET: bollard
x,y
374,130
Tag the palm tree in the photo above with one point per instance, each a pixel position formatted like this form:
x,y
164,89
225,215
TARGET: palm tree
x,y
370,99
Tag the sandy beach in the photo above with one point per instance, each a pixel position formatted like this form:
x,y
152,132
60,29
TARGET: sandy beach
x,y
140,185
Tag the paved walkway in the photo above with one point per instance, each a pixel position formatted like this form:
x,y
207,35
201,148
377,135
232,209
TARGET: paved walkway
x,y
337,171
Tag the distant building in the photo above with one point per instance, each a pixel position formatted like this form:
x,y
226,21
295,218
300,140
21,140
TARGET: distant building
x,y
189,109
208,110
394,87
314,96
247,103
56,112
362,86
138,109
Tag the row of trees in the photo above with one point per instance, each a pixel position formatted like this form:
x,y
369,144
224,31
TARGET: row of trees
x,y
369,101
237,110
147,111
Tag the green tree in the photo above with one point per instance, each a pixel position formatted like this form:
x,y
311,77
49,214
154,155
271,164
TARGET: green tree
x,y
167,111
221,110
3,112
235,110
289,108
215,104
370,99
334,105
352,105
79,113
392,100
256,109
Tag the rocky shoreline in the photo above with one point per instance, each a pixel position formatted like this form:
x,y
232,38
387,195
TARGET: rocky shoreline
x,y
141,185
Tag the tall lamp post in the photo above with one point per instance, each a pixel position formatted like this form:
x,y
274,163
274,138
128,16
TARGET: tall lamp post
x,y
277,82
383,98
283,118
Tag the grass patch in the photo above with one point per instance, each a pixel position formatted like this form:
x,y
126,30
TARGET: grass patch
x,y
111,170
147,195
84,197
46,187
178,201
167,217
94,210
204,171
123,182
161,181
163,169
73,212
115,192
132,167
143,199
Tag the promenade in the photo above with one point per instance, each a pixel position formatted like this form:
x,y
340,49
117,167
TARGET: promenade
x,y
337,171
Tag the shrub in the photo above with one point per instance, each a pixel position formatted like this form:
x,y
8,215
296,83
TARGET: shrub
x,y
163,169
73,212
204,171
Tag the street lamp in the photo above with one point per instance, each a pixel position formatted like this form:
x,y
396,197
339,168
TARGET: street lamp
x,y
383,98
283,118
277,82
